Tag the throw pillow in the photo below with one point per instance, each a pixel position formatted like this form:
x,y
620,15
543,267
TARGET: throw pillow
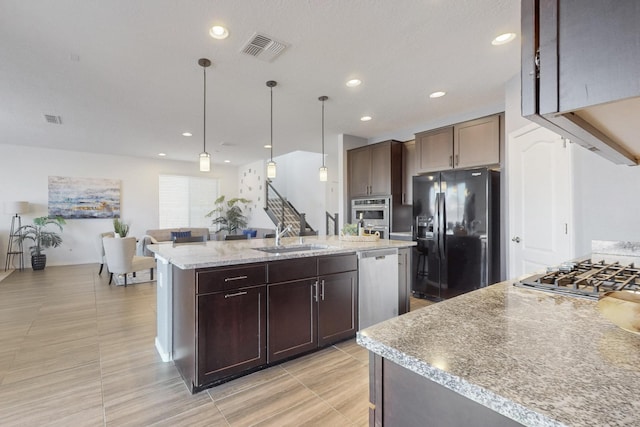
x,y
175,234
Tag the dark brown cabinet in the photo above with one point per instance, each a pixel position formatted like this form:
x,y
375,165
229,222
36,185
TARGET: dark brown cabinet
x,y
337,307
292,318
580,62
312,303
375,170
219,322
400,397
408,171
464,145
229,321
404,280
231,330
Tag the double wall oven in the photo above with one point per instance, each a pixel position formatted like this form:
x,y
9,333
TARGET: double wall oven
x,y
376,213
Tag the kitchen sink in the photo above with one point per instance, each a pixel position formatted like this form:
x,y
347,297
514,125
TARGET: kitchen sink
x,y
291,248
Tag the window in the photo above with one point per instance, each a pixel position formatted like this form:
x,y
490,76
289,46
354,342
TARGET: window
x,y
185,200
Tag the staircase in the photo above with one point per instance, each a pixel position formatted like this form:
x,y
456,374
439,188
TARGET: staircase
x,y
280,210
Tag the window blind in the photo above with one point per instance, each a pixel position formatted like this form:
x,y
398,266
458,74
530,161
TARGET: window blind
x,y
185,200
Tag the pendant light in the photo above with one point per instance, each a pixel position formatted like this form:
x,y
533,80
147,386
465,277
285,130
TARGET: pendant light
x,y
271,165
205,158
324,172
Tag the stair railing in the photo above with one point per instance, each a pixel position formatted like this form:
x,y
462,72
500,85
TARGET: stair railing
x,y
284,204
331,224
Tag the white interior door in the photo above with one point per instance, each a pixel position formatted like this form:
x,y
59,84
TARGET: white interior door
x,y
540,209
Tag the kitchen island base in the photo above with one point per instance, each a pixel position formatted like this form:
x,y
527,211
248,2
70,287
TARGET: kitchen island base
x,y
400,397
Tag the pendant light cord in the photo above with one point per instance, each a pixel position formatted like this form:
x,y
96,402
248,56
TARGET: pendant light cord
x,y
271,141
204,117
323,133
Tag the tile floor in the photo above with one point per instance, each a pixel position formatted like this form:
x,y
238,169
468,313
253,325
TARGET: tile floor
x,y
78,352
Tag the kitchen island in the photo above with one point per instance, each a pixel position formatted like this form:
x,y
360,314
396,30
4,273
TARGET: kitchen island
x,y
503,355
226,308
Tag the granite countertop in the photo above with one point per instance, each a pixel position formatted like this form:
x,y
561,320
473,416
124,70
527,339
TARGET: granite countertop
x,y
233,252
538,358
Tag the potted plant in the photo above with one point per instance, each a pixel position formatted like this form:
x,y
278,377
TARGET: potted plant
x,y
120,228
41,238
228,214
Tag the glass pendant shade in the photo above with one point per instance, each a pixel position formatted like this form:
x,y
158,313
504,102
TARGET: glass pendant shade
x,y
205,158
324,173
271,165
205,162
271,169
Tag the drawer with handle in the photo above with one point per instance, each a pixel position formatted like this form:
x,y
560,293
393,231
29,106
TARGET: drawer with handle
x,y
221,279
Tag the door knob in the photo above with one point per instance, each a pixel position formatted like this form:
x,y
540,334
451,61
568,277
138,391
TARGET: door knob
x,y
515,239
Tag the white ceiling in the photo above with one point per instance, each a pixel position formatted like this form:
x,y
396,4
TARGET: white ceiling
x,y
123,74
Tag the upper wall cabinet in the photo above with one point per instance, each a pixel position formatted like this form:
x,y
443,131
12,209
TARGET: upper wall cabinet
x,y
469,144
408,171
477,142
580,67
434,150
375,170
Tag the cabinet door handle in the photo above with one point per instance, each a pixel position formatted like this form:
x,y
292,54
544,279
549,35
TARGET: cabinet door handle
x,y
314,291
231,279
457,159
451,160
237,294
322,292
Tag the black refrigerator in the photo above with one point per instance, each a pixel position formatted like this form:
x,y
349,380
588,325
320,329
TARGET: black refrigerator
x,y
457,229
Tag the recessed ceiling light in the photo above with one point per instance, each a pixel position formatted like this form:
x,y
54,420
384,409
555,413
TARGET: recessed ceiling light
x,y
219,32
365,118
187,134
227,161
437,94
354,82
267,146
162,154
503,38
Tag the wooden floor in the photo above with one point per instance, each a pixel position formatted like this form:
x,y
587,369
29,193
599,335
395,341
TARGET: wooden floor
x,y
77,352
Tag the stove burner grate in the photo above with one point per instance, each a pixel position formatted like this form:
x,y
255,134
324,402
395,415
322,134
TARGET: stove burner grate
x,y
586,279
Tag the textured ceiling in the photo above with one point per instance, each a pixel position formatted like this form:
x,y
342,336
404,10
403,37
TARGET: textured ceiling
x,y
123,74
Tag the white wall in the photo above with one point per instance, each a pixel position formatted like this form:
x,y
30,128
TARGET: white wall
x,y
606,200
24,173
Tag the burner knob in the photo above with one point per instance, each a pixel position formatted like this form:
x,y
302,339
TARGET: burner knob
x,y
515,239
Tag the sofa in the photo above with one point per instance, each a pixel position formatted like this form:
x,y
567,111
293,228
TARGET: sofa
x,y
164,235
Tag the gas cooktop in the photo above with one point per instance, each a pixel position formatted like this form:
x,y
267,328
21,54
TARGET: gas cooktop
x,y
588,279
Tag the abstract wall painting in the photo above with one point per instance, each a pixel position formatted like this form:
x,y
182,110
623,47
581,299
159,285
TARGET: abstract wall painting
x,y
73,198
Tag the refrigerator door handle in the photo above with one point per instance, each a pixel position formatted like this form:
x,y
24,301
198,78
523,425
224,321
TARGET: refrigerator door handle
x,y
437,224
442,234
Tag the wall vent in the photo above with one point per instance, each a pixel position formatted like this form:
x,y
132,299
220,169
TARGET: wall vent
x,y
264,47
55,120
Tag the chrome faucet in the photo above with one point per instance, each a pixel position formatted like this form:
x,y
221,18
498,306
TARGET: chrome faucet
x,y
279,233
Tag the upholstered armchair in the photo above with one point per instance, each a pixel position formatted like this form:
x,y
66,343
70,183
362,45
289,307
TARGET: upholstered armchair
x,y
103,259
122,259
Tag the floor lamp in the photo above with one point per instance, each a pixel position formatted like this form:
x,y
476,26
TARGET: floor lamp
x,y
15,246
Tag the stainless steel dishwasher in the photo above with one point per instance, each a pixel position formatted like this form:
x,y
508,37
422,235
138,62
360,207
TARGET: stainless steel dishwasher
x,y
377,286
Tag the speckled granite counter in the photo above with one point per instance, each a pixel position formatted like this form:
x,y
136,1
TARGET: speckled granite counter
x,y
235,252
540,359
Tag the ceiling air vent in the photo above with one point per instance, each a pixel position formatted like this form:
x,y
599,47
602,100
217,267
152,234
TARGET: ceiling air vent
x,y
264,47
55,120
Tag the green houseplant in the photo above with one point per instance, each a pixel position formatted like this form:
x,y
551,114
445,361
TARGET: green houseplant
x,y
228,214
41,238
120,228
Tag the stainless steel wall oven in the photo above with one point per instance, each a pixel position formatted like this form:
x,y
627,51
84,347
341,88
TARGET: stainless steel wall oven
x,y
376,213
